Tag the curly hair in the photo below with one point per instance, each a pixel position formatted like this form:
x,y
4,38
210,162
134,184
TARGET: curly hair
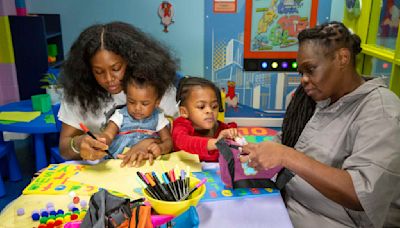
x,y
134,46
147,76
187,83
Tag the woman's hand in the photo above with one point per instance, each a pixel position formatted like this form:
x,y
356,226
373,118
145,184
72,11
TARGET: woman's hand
x,y
138,153
90,149
265,155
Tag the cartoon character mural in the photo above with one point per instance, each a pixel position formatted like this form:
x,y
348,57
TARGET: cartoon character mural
x,y
166,12
279,25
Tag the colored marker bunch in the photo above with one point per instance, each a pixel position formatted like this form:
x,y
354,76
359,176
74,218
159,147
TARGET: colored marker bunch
x,y
172,188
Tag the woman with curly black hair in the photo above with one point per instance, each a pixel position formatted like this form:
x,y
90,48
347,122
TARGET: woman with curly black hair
x,y
91,78
340,137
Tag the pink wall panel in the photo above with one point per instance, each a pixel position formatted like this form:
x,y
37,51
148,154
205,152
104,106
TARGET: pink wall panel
x,y
8,83
7,7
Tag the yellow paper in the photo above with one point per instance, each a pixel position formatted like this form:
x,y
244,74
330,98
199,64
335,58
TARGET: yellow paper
x,y
19,116
111,176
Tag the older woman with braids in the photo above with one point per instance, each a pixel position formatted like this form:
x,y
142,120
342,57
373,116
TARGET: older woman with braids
x,y
340,138
91,77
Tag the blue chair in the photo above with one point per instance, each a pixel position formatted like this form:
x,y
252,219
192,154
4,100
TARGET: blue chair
x,y
55,156
9,163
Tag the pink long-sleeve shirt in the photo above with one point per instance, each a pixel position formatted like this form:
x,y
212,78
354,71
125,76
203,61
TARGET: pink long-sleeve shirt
x,y
186,138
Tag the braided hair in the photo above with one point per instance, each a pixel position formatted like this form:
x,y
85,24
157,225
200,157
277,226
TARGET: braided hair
x,y
187,83
330,37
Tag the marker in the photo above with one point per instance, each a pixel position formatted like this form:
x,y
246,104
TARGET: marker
x,y
173,183
144,186
187,178
86,130
163,190
183,181
148,189
193,189
166,182
149,184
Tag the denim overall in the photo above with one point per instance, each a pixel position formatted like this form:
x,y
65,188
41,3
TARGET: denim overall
x,y
130,124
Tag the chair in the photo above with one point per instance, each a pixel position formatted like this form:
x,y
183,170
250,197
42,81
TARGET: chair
x,y
55,156
7,155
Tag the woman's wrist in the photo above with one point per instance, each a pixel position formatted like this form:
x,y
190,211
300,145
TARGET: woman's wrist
x,y
289,154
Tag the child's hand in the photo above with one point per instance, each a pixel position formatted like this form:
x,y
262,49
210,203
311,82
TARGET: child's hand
x,y
133,157
137,154
154,150
230,133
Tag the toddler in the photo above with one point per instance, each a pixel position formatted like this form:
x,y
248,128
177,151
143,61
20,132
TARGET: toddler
x,y
140,120
197,129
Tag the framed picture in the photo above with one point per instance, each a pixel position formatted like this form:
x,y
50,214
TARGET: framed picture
x,y
224,6
271,29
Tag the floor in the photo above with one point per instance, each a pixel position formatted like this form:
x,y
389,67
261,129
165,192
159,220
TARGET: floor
x,y
26,161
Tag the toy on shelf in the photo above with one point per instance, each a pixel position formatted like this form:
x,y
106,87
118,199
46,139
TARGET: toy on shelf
x,y
52,53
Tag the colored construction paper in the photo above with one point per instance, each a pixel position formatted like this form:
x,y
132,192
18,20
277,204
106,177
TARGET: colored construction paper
x,y
19,116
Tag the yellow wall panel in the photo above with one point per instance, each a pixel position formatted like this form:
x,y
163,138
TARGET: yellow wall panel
x,y
6,47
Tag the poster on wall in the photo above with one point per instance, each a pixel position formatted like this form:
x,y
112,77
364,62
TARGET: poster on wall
x,y
224,6
260,94
271,29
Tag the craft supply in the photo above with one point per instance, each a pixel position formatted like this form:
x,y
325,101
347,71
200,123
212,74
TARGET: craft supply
x,y
83,204
193,189
60,212
76,200
35,216
44,214
168,184
49,204
87,131
20,211
149,187
162,187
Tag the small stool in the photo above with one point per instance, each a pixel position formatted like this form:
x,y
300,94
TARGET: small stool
x,y
7,154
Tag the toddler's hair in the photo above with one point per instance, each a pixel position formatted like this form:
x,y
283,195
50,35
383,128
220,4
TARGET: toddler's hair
x,y
144,77
186,83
